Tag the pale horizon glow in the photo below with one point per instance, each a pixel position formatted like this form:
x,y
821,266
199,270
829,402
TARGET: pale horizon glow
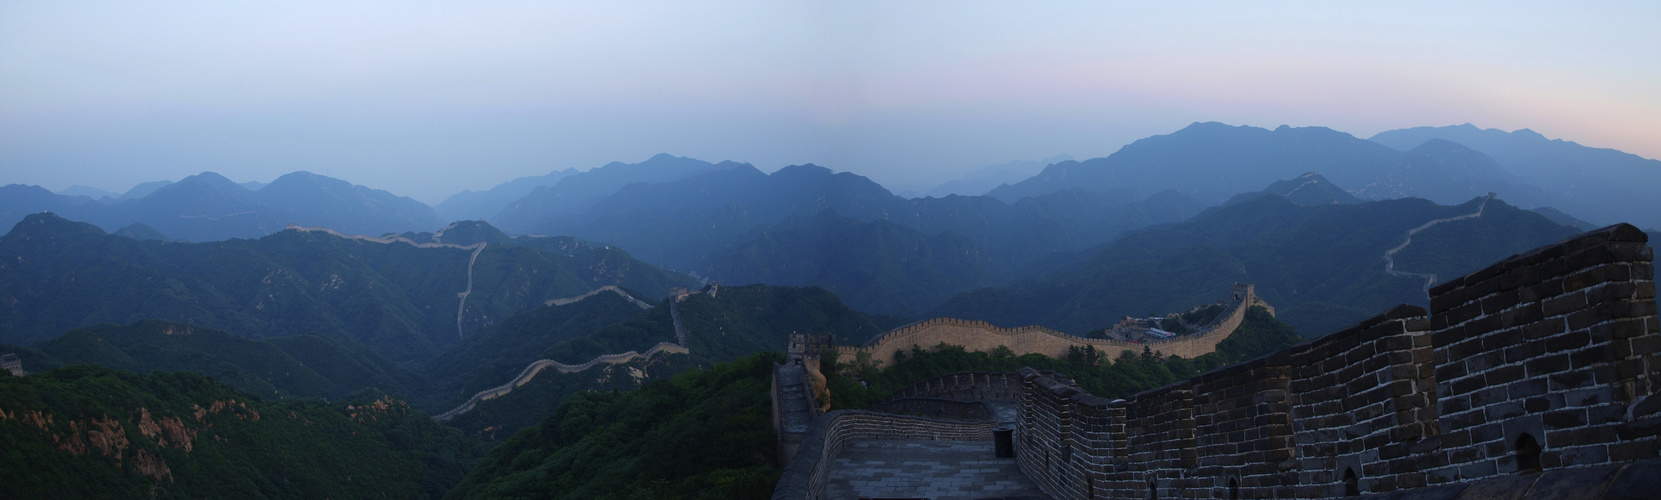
x,y
425,99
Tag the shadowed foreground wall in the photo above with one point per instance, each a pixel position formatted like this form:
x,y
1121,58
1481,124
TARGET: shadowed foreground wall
x,y
1557,347
1544,362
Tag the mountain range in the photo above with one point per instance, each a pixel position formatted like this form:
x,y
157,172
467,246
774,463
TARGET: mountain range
x,y
1597,184
1210,161
1321,265
396,297
209,207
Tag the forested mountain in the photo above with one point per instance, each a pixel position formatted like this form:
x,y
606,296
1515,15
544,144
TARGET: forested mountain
x,y
480,205
1321,266
209,207
578,192
1597,184
700,434
91,432
1210,161
398,299
302,366
500,351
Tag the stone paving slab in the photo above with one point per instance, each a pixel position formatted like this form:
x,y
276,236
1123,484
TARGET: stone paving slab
x,y
926,469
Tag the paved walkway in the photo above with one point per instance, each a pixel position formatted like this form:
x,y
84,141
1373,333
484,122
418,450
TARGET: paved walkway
x,y
926,469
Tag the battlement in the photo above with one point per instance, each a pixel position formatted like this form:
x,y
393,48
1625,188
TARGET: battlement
x,y
982,336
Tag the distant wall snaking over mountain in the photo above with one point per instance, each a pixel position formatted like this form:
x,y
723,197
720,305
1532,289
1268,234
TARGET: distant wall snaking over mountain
x,y
1322,266
395,298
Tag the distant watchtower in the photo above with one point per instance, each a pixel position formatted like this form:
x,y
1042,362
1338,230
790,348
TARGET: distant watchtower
x,y
1240,291
808,345
10,362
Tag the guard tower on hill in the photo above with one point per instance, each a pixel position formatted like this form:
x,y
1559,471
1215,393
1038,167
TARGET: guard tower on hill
x,y
10,362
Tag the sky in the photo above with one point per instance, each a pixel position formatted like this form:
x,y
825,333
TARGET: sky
x,y
425,99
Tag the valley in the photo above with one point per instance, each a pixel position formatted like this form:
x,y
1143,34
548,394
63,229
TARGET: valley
x,y
621,322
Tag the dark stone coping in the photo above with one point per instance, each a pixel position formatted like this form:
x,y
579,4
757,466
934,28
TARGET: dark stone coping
x,y
1622,232
1637,480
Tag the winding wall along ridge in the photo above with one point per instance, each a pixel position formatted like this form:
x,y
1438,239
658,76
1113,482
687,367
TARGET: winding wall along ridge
x,y
530,372
608,288
536,367
1430,278
977,335
461,296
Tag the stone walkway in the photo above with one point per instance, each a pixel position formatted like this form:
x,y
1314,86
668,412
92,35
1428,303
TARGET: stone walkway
x,y
926,469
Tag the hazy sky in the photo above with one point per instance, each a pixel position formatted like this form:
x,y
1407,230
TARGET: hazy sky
x,y
427,98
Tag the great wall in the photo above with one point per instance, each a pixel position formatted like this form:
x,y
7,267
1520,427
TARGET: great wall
x,y
983,336
1536,377
461,297
536,367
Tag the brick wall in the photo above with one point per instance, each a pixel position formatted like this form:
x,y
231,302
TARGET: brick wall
x,y
1560,344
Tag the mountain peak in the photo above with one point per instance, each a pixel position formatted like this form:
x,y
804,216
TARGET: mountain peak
x,y
49,224
1308,189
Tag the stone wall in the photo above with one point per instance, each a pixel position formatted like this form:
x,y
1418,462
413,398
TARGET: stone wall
x,y
983,336
1546,361
967,386
936,408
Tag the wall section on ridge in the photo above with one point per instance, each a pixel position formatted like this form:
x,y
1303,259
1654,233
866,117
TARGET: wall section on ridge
x,y
982,336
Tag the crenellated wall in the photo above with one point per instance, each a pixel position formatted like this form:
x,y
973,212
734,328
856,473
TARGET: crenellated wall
x,y
1544,362
969,386
982,336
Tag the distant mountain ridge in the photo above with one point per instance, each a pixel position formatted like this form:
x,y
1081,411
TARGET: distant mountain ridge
x,y
578,192
1321,265
982,180
209,207
1597,184
1210,161
480,205
730,225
